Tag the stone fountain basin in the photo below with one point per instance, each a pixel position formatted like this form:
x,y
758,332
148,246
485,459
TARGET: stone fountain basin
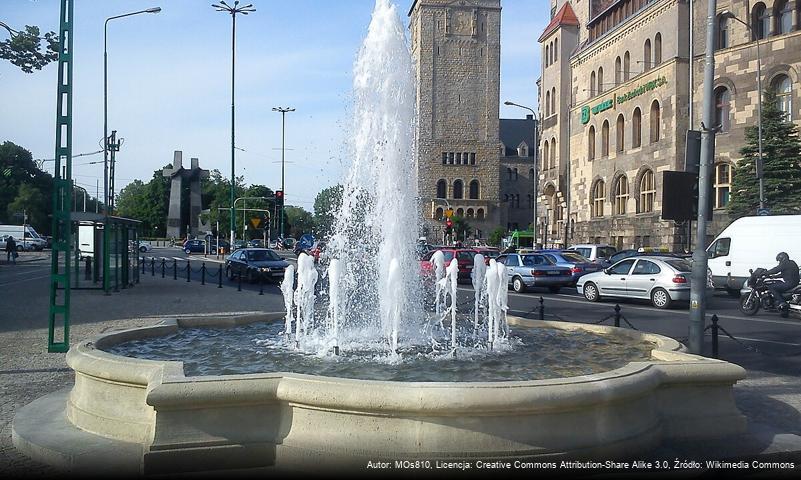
x,y
156,420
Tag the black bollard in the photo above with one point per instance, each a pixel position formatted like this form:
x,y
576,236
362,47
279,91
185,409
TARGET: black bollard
x,y
219,277
144,261
261,284
617,314
542,308
188,271
239,287
88,269
153,267
163,266
175,269
714,336
203,274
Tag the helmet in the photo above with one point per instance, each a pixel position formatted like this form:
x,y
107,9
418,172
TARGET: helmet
x,y
782,256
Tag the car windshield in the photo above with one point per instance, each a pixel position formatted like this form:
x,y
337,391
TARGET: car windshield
x,y
531,260
465,255
606,252
584,251
574,257
262,255
680,265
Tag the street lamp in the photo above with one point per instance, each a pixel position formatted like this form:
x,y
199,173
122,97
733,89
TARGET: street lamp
x,y
536,162
105,99
283,138
224,7
729,14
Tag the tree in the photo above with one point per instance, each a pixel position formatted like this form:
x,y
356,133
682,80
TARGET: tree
x,y
496,236
781,154
461,229
31,202
299,221
326,207
17,168
24,49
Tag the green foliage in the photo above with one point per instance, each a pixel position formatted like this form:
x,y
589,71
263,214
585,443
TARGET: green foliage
x,y
148,203
17,168
496,236
781,153
461,228
31,202
299,221
24,49
326,206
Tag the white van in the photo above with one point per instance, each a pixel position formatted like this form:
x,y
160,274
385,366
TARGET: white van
x,y
749,243
25,236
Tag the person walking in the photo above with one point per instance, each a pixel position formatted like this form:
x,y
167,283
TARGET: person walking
x,y
11,250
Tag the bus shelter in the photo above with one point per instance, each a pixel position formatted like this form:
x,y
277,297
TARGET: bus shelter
x,y
106,253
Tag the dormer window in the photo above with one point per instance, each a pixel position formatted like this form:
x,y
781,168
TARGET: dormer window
x,y
503,149
522,150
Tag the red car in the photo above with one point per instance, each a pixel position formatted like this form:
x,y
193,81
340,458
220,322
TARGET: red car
x,y
464,257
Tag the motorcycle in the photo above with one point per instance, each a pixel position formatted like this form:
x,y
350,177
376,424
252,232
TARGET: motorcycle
x,y
760,296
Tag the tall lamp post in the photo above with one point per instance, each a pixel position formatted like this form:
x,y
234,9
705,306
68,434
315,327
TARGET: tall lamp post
x,y
283,142
760,177
105,99
224,7
536,164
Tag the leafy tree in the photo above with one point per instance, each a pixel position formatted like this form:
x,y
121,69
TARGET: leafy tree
x,y
496,236
461,229
31,202
24,49
781,154
17,168
326,207
299,221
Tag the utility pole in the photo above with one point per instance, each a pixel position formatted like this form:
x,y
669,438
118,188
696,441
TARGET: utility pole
x,y
113,147
699,270
283,144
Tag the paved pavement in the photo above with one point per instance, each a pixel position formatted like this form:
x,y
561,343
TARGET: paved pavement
x,y
770,397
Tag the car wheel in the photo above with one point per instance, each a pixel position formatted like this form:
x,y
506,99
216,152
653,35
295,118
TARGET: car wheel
x,y
142,249
229,274
554,289
187,251
591,292
660,298
518,285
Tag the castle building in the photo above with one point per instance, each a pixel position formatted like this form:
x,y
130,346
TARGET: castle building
x,y
469,160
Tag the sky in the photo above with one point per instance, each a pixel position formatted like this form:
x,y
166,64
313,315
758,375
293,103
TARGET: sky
x,y
169,85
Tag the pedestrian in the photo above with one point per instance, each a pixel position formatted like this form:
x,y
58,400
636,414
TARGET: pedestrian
x,y
11,250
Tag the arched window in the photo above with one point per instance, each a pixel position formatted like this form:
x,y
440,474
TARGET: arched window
x,y
548,103
646,55
547,51
592,84
470,213
555,49
442,188
600,79
460,212
656,121
531,175
515,172
458,189
620,133
658,49
591,143
553,153
636,128
598,197
546,157
474,190
784,17
553,101
761,21
605,139
784,95
509,173
722,184
438,215
647,192
724,24
480,214
723,109
618,71
626,66
621,195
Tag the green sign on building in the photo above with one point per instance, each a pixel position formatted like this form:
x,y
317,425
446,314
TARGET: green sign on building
x,y
587,111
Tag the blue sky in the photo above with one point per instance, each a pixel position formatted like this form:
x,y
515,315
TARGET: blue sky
x,y
170,85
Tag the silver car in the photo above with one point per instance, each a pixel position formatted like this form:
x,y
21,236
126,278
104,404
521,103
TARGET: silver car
x,y
658,279
535,270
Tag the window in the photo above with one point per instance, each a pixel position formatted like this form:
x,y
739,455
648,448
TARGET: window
x,y
474,190
450,158
621,268
656,121
480,214
646,55
444,158
442,187
723,109
784,17
621,195
458,189
784,95
722,184
546,150
723,32
598,196
636,128
547,51
553,101
470,213
439,213
591,143
761,21
626,66
548,103
592,84
605,139
555,49
600,79
620,133
647,192
644,267
658,49
509,173
522,150
460,212
553,153
515,172
720,248
618,70
472,158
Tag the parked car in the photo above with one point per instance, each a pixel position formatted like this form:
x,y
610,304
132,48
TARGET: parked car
x,y
488,252
573,260
289,243
595,252
464,258
239,244
255,264
662,280
534,270
144,246
199,246
256,243
657,252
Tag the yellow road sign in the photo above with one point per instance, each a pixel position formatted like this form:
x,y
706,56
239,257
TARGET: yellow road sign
x,y
255,221
449,212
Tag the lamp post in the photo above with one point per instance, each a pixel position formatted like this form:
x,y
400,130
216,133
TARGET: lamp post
x,y
105,99
224,7
535,133
729,14
283,138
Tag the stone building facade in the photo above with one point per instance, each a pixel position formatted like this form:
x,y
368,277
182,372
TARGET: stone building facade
x,y
456,50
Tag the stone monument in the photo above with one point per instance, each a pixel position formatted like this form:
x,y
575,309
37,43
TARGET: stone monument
x,y
177,218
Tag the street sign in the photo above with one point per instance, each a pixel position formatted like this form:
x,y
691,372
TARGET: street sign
x,y
449,212
763,212
255,221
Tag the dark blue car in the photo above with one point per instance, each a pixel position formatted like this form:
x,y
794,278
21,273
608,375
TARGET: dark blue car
x,y
255,264
578,264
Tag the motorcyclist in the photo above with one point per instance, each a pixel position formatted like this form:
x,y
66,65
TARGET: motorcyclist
x,y
788,271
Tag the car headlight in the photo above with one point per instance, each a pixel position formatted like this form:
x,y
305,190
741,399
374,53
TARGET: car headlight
x,y
264,269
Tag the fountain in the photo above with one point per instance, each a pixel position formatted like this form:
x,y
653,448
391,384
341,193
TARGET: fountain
x,y
373,375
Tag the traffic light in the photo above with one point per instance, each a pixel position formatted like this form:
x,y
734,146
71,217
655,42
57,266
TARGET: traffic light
x,y
279,198
448,226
